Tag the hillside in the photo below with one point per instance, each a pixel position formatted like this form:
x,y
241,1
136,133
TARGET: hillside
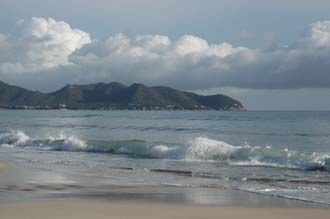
x,y
113,96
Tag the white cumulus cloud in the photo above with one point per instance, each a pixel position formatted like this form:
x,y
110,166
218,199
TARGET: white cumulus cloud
x,y
320,34
41,45
54,51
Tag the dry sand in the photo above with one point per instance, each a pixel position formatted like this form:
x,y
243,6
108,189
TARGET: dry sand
x,y
100,210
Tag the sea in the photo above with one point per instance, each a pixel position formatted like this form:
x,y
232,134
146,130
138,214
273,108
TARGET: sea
x,y
282,154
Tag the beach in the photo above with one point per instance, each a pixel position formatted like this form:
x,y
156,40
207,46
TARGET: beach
x,y
100,210
61,201
99,164
170,109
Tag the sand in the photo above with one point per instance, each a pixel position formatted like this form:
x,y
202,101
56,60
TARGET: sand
x,y
93,209
2,165
96,209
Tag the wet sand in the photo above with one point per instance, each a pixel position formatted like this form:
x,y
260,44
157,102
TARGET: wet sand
x,y
61,201
100,210
2,165
19,183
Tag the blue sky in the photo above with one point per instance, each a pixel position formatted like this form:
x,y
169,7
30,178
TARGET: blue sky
x,y
213,20
200,43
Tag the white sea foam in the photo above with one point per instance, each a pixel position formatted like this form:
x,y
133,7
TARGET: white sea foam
x,y
197,149
65,143
59,142
203,148
14,139
163,151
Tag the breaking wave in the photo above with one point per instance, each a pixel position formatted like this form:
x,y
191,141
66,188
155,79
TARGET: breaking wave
x,y
197,149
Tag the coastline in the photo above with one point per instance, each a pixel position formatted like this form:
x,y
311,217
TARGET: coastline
x,y
24,183
94,209
40,169
16,187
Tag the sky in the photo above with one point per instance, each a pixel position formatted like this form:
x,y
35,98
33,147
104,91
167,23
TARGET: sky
x,y
270,55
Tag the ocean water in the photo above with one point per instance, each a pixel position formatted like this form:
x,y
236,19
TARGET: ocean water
x,y
284,154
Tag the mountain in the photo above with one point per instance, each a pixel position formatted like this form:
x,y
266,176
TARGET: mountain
x,y
13,95
113,96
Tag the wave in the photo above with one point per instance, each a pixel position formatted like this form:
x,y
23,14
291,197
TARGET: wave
x,y
60,142
197,149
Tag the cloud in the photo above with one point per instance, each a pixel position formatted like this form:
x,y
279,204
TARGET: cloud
x,y
320,34
42,44
47,50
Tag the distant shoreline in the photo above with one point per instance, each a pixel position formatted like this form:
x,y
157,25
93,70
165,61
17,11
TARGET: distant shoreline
x,y
113,96
159,110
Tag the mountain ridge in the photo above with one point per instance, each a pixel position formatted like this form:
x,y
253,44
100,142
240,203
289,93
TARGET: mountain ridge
x,y
113,95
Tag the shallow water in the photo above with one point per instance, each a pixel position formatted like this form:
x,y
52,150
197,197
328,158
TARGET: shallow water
x,y
285,154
